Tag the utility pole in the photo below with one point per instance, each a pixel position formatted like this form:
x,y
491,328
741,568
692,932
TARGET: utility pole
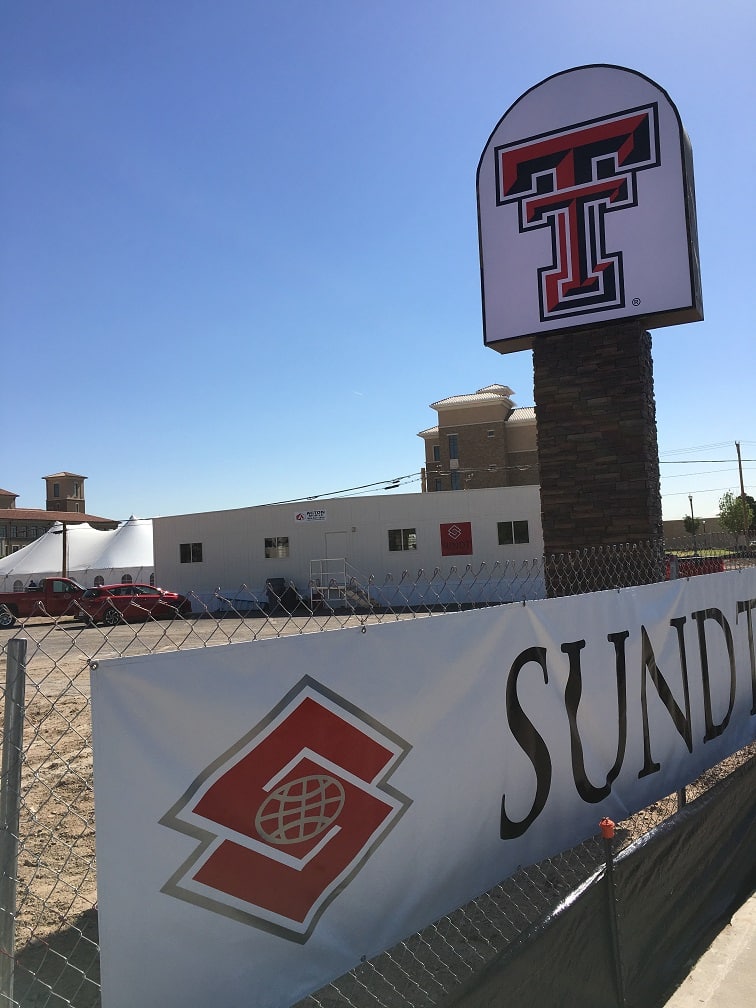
x,y
692,524
742,496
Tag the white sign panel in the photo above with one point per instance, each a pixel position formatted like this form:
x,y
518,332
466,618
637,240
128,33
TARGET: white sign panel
x,y
586,210
270,813
316,514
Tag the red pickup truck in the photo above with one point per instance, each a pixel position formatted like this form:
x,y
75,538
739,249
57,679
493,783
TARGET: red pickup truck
x,y
53,596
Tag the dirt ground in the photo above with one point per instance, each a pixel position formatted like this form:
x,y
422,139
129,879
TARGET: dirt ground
x,y
56,933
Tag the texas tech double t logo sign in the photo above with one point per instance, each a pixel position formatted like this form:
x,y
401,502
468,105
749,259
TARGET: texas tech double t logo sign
x,y
587,221
567,182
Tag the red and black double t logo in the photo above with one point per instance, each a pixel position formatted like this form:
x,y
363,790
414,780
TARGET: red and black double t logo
x,y
567,181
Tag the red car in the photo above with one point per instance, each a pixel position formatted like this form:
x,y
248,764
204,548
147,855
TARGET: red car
x,y
130,603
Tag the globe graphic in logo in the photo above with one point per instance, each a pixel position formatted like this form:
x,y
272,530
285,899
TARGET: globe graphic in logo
x,y
300,809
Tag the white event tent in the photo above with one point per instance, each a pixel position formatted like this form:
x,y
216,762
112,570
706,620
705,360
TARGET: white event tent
x,y
123,553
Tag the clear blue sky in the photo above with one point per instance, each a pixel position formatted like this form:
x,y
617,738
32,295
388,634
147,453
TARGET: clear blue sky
x,y
239,239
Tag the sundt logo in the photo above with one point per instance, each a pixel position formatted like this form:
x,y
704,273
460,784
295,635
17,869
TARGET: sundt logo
x,y
288,815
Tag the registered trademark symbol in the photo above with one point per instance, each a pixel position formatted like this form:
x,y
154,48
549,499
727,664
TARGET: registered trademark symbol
x,y
636,302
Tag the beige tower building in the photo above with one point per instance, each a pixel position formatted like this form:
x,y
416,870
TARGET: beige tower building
x,y
482,440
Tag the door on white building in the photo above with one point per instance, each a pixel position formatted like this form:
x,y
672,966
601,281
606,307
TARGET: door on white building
x,y
328,575
338,545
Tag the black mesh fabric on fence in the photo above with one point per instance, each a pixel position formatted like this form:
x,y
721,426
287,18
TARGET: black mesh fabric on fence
x,y
665,898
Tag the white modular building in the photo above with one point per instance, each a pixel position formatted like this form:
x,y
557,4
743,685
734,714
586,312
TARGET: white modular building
x,y
420,549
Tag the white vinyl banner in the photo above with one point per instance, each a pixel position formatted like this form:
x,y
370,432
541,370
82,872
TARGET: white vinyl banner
x,y
270,813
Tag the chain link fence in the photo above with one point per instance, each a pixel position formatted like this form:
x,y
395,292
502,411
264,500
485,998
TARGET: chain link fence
x,y
49,953
424,969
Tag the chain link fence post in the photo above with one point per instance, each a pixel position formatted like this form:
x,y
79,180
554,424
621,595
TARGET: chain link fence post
x,y
10,805
607,832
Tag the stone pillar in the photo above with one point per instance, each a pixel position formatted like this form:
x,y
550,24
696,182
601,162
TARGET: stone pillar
x,y
598,458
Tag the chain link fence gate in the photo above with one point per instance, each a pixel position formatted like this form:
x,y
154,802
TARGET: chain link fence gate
x,y
49,952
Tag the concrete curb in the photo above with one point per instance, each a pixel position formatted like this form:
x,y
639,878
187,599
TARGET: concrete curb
x,y
725,975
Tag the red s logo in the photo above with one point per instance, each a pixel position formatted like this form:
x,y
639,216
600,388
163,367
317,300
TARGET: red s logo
x,y
288,815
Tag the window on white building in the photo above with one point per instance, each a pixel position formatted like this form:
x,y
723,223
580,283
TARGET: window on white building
x,y
190,552
402,539
513,533
276,547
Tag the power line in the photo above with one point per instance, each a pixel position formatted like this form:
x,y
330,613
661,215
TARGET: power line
x,y
702,448
690,475
393,486
697,493
394,480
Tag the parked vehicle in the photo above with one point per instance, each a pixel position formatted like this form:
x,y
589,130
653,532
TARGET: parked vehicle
x,y
130,603
688,566
53,596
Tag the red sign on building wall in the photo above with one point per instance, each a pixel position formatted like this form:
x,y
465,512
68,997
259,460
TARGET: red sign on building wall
x,y
456,539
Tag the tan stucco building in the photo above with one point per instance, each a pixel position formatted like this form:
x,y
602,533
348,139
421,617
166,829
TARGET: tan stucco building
x,y
482,440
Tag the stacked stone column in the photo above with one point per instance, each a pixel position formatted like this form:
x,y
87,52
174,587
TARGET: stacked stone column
x,y
598,458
